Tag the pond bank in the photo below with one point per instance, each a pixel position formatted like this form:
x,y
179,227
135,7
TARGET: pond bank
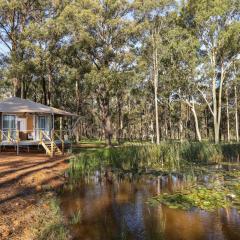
x,y
28,186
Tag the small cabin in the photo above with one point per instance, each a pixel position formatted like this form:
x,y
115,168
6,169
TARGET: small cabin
x,y
27,123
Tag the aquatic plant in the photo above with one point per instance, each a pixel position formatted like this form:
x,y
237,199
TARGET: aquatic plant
x,y
75,217
200,197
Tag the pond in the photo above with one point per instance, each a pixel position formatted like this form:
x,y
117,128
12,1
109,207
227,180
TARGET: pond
x,y
109,206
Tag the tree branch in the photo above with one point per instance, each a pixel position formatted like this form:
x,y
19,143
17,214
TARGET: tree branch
x,y
205,99
6,31
229,64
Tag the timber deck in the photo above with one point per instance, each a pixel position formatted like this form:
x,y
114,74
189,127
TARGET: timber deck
x,y
31,143
52,148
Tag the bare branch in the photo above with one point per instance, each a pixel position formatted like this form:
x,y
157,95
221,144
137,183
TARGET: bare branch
x,y
188,103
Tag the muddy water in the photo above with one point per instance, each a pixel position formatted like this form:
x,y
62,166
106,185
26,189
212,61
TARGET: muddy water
x,y
117,209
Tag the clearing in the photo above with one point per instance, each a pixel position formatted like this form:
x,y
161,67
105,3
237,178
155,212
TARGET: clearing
x,y
24,180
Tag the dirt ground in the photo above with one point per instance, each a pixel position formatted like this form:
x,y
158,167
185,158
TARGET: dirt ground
x,y
24,180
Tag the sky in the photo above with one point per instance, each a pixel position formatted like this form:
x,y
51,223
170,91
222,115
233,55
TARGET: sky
x,y
3,49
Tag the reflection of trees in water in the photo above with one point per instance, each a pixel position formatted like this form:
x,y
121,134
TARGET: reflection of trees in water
x,y
130,219
230,222
134,217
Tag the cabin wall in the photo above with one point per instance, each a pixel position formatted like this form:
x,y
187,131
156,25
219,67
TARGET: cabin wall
x,y
26,121
30,122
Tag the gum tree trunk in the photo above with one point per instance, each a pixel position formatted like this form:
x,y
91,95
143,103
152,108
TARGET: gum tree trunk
x,y
227,112
197,130
196,123
236,113
155,80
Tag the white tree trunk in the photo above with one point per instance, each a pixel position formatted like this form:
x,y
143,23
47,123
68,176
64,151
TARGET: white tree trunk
x,y
228,123
155,79
196,123
236,113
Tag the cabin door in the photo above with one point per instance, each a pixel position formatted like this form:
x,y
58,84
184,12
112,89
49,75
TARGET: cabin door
x,y
22,128
22,124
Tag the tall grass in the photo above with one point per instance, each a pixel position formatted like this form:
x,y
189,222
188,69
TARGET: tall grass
x,y
53,227
144,156
166,156
201,152
231,152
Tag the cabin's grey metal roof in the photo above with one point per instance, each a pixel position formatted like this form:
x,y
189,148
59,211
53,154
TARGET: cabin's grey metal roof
x,y
19,105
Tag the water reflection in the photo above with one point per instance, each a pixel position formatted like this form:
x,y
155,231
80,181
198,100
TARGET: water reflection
x,y
115,208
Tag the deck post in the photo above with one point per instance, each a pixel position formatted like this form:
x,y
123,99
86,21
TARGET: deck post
x,y
61,127
17,139
17,148
9,135
17,136
61,134
52,142
53,124
52,136
41,136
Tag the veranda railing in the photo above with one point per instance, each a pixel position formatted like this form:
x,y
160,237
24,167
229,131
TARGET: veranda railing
x,y
12,135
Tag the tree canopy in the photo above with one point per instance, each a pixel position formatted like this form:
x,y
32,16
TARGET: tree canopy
x,y
136,70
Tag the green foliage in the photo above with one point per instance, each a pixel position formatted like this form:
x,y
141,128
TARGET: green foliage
x,y
201,152
201,197
96,59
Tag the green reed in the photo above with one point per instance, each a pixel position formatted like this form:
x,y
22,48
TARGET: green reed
x,y
138,157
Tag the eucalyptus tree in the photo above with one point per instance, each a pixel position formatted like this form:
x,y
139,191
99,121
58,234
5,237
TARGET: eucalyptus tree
x,y
45,40
103,31
15,17
181,64
236,80
232,102
153,19
135,69
217,27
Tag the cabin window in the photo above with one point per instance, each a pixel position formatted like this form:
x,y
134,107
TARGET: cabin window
x,y
9,122
42,122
